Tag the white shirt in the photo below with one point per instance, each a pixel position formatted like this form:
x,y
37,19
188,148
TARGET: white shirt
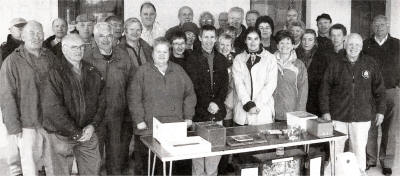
x,y
380,43
150,35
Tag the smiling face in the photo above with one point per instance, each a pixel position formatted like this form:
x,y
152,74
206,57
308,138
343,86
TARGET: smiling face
x,y
133,31
206,19
380,27
224,46
161,54
148,15
308,41
291,15
60,28
178,46
253,41
323,25
85,29
32,35
354,45
73,49
190,37
117,28
235,19
297,32
104,38
285,46
266,30
208,39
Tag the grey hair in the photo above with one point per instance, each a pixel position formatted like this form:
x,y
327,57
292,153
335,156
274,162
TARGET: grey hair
x,y
160,41
102,25
353,35
378,17
68,39
132,20
236,9
32,23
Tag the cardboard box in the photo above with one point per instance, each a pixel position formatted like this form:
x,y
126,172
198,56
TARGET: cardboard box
x,y
187,145
289,164
299,119
320,127
166,129
212,132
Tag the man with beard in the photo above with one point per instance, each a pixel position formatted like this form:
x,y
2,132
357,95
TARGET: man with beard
x,y
53,43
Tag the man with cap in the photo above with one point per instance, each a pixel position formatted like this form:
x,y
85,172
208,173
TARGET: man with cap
x,y
324,22
84,26
53,43
14,38
151,28
22,76
185,15
191,31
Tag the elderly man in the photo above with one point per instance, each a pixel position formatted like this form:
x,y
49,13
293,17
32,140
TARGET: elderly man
x,y
235,19
84,26
117,70
117,25
73,106
222,21
14,38
152,29
251,17
53,43
352,94
385,50
22,76
324,22
185,15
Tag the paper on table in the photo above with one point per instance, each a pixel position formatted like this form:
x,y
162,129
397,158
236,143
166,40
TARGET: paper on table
x,y
249,171
315,166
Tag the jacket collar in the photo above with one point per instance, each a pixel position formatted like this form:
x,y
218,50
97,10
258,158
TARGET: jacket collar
x,y
170,67
98,55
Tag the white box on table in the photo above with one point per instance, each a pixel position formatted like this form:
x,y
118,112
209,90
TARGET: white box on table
x,y
166,129
188,145
299,118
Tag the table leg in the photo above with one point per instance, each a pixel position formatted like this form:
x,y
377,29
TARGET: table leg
x,y
154,164
164,168
170,168
333,157
307,148
149,163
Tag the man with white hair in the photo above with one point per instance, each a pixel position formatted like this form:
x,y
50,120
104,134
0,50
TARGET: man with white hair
x,y
53,43
235,19
73,106
118,71
352,94
22,76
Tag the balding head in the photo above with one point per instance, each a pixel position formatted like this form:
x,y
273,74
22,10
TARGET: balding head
x,y
59,27
32,35
353,45
73,48
185,14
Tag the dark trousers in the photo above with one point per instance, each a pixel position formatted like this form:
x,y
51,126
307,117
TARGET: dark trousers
x,y
141,153
126,138
388,140
110,146
62,151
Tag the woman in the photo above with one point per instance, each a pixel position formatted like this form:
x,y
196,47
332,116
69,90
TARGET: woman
x,y
266,26
292,89
316,63
255,78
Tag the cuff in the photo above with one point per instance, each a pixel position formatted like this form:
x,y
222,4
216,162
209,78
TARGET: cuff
x,y
249,105
76,135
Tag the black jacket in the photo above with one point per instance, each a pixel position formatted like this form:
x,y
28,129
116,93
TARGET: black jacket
x,y
56,49
206,92
9,46
324,43
352,93
71,104
388,58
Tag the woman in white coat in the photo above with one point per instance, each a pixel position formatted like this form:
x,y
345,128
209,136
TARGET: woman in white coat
x,y
255,76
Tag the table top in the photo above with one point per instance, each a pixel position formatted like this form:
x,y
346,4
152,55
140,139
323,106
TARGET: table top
x,y
155,146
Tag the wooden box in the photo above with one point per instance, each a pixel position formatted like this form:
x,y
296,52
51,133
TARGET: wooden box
x,y
320,128
212,132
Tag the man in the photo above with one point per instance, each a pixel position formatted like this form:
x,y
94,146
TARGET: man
x,y
84,26
235,19
291,15
337,34
152,29
14,38
185,14
352,94
208,70
251,17
324,22
385,50
117,24
73,106
22,76
178,42
139,50
206,18
191,31
222,21
117,70
297,29
53,43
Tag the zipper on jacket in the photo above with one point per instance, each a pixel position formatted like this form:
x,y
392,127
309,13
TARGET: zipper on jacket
x,y
106,78
251,86
352,93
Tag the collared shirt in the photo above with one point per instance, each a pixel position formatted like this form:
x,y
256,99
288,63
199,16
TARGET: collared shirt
x,y
150,35
380,43
210,61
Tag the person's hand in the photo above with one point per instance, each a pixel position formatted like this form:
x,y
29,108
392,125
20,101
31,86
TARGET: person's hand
x,y
254,110
213,108
189,123
379,119
142,126
327,116
87,133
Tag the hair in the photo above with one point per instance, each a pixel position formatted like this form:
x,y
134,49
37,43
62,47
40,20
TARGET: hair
x,y
113,18
380,17
52,23
297,23
184,7
324,16
252,11
228,28
294,9
265,19
222,13
161,41
236,9
101,25
226,37
132,20
207,27
177,35
283,34
70,38
310,31
251,30
338,26
147,4
202,15
352,35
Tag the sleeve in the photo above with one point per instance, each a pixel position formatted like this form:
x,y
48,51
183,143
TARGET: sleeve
x,y
325,88
8,92
220,96
302,87
190,100
239,81
269,84
101,105
55,113
379,90
135,97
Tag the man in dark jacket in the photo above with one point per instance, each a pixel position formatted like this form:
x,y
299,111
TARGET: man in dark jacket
x,y
14,38
208,70
385,50
352,94
53,43
324,22
73,106
178,42
185,15
118,71
235,19
22,77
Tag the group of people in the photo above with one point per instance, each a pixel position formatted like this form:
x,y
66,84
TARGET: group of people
x,y
88,93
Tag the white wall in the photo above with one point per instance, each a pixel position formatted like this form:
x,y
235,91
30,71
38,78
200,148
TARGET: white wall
x,y
43,11
393,12
167,10
339,10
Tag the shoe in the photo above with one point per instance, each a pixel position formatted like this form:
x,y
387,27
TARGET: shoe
x,y
387,171
369,166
